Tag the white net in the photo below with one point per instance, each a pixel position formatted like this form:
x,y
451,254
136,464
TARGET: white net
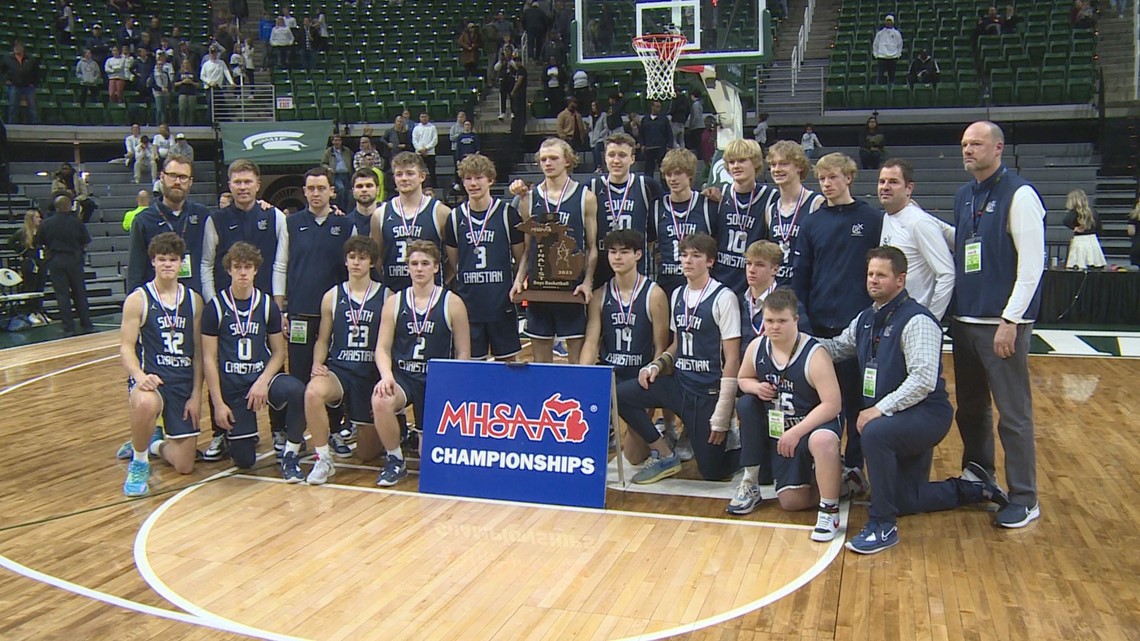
x,y
659,53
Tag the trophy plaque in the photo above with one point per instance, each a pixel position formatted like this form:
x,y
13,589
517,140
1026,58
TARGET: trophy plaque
x,y
556,264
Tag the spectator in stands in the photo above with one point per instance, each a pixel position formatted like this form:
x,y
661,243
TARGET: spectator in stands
x,y
656,137
161,84
502,26
633,128
185,53
23,242
162,142
145,157
129,35
186,87
615,107
518,103
224,38
872,146
248,66
467,143
97,43
1082,16
989,23
143,69
182,148
708,141
367,156
469,45
490,38
22,73
696,123
281,44
310,44
117,70
164,45
215,73
679,112
599,131
810,142
505,72
425,138
571,127
887,49
580,86
142,202
66,181
399,137
90,77
923,70
554,83
1010,20
155,30
65,22
64,238
761,132
535,24
147,43
554,46
338,160
456,130
1084,248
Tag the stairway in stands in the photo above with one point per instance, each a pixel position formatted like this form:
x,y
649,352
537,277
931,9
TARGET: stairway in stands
x,y
775,95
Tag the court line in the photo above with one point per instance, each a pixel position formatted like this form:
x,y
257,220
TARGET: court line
x,y
51,358
48,375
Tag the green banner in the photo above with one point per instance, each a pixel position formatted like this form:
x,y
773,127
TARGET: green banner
x,y
276,143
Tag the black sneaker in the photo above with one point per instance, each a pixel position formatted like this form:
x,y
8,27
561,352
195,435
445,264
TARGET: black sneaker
x,y
1015,515
977,474
218,450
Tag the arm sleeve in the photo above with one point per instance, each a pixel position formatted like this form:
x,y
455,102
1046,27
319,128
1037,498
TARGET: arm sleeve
x,y
1026,226
932,246
921,343
726,313
209,249
281,259
842,347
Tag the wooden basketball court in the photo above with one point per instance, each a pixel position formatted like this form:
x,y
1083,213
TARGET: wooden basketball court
x,y
217,555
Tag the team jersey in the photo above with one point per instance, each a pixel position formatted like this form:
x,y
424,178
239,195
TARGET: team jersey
x,y
483,271
355,328
363,226
672,222
166,340
243,328
421,335
624,206
795,394
751,316
398,228
568,211
627,326
694,321
784,229
740,223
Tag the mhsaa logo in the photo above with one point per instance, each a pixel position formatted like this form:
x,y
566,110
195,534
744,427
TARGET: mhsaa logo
x,y
562,418
276,141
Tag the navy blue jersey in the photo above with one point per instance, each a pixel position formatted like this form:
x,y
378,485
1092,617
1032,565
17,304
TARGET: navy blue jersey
x,y
398,228
627,326
740,222
795,395
316,259
569,212
784,229
355,328
624,206
421,335
242,328
484,241
698,358
363,226
672,222
166,340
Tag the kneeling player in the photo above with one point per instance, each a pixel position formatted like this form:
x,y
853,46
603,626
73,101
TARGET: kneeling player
x,y
160,347
628,320
791,397
244,355
420,323
344,367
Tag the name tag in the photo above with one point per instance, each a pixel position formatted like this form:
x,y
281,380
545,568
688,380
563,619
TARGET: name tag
x,y
185,270
299,332
974,255
869,375
775,423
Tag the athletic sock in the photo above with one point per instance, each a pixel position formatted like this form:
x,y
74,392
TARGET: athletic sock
x,y
751,473
292,448
323,452
396,453
140,455
828,505
156,448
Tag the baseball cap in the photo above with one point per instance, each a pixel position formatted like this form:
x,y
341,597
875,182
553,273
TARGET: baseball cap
x,y
890,17
96,26
180,137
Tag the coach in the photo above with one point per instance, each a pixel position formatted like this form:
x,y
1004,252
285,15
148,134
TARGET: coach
x,y
999,257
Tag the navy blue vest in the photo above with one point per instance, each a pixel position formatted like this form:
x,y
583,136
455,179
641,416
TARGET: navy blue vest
x,y
984,294
740,222
886,326
241,357
258,227
672,223
316,259
627,333
419,340
166,341
795,395
484,274
352,345
698,359
397,232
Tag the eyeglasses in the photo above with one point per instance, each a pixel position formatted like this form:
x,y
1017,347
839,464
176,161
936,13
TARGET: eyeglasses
x,y
178,178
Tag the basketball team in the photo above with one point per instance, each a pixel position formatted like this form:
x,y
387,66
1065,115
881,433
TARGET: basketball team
x,y
764,323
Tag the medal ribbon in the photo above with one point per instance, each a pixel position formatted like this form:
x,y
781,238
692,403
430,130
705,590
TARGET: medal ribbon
x,y
420,327
784,236
625,313
355,315
690,312
231,302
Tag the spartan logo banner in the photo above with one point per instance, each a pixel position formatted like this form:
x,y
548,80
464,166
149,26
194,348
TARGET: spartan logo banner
x,y
276,143
532,433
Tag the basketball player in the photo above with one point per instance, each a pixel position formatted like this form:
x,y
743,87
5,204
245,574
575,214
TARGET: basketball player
x,y
680,213
344,367
244,354
482,239
627,321
790,405
420,323
571,204
829,263
741,219
789,167
762,261
410,215
624,200
161,349
695,376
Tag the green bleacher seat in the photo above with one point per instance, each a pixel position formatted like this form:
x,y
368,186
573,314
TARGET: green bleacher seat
x,y
922,96
878,96
1079,90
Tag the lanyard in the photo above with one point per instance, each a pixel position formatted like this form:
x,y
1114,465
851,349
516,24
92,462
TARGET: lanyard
x,y
690,312
231,302
477,238
355,315
976,219
678,228
780,229
791,357
557,203
404,221
185,221
759,329
625,312
882,328
418,326
615,213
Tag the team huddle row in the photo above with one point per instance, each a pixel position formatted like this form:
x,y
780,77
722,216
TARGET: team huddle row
x,y
687,295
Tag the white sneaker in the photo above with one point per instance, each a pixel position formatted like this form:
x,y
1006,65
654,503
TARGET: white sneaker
x,y
746,499
323,470
826,526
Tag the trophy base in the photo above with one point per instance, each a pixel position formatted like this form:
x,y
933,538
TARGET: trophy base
x,y
549,296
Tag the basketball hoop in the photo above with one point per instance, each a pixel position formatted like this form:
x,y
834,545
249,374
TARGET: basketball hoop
x,y
659,53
